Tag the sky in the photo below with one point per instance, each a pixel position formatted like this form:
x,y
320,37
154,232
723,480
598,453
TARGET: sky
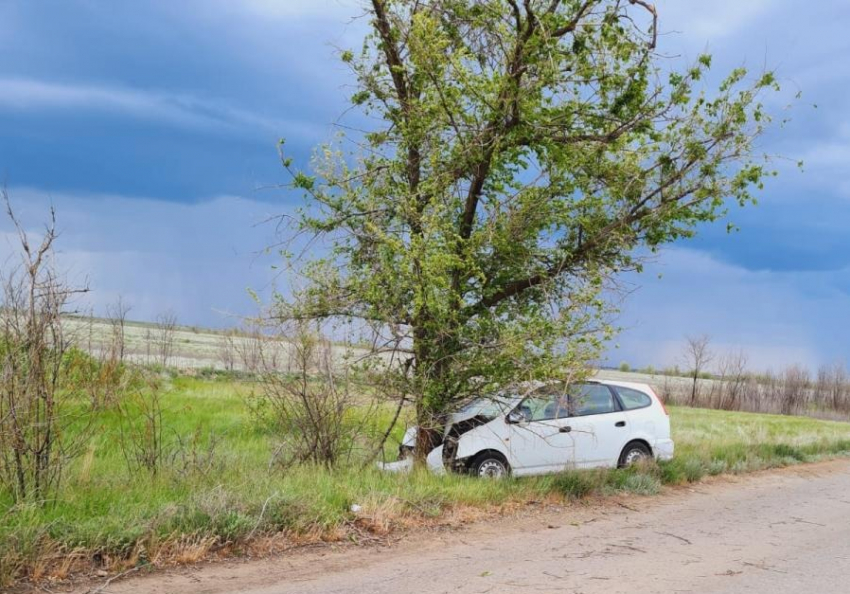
x,y
152,128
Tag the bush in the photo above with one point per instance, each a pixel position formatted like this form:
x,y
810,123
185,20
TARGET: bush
x,y
575,484
643,479
38,403
312,410
682,470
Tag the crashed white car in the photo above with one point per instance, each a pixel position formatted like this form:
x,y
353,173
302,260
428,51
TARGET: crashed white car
x,y
550,429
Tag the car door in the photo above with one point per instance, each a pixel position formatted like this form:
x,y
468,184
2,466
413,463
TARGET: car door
x,y
540,442
640,413
598,426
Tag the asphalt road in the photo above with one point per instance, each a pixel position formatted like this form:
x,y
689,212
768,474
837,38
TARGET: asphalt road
x,y
772,533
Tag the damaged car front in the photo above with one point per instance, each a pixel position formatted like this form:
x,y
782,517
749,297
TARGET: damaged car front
x,y
477,425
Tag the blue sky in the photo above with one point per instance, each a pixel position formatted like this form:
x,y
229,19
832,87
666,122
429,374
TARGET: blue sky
x,y
151,126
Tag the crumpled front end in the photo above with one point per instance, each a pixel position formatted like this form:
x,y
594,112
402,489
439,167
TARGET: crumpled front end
x,y
444,456
451,442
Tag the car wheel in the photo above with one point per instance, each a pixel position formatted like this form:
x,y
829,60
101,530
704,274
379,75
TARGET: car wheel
x,y
489,465
634,453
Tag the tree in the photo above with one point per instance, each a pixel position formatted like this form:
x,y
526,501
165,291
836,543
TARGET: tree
x,y
227,349
733,380
523,153
697,357
116,313
166,326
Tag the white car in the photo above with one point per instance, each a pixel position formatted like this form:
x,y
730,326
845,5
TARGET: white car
x,y
550,429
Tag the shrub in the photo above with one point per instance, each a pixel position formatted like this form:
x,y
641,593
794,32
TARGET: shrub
x,y
312,410
575,484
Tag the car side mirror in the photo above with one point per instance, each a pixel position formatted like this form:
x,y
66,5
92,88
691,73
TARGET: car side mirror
x,y
514,417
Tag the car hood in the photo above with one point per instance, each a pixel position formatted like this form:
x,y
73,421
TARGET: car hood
x,y
470,411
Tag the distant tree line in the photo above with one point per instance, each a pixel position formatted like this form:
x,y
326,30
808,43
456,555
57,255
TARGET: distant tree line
x,y
709,379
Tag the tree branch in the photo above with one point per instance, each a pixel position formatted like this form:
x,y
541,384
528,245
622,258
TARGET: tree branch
x,y
652,11
573,24
402,88
506,117
580,254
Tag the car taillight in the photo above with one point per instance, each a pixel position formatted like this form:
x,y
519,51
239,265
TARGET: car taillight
x,y
661,402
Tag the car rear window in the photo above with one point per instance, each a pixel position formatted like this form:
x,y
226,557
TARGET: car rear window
x,y
592,399
633,399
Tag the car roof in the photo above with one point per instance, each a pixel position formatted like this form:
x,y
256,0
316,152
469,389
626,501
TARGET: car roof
x,y
633,385
534,385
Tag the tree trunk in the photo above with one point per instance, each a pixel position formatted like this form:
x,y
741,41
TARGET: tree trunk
x,y
694,389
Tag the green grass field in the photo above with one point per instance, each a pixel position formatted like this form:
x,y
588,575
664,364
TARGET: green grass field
x,y
107,517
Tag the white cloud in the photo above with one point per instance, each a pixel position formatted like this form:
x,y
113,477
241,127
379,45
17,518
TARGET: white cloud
x,y
777,318
828,154
709,21
20,94
197,259
825,163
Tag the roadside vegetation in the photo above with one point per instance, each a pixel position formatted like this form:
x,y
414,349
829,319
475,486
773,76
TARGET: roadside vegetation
x,y
219,489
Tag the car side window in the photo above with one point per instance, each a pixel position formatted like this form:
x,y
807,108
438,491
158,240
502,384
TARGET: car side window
x,y
545,407
592,399
633,399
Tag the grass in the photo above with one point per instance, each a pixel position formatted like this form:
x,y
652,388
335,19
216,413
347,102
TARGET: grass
x,y
107,517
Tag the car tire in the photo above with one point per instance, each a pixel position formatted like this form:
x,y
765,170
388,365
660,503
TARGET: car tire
x,y
490,465
634,453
